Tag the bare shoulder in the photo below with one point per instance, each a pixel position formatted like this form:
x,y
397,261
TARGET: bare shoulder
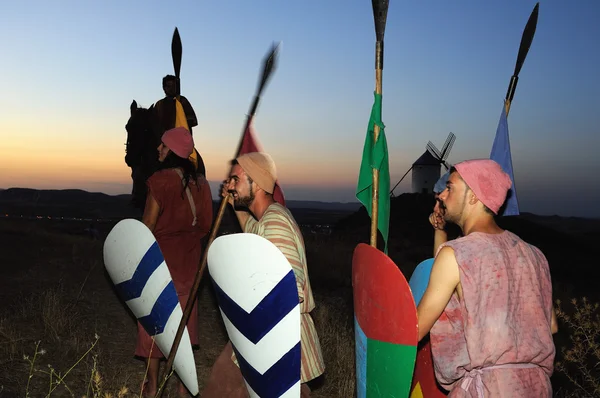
x,y
445,263
446,253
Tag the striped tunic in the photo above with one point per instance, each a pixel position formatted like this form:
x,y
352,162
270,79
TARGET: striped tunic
x,y
279,227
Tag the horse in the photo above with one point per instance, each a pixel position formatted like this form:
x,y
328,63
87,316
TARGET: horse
x,y
144,132
141,155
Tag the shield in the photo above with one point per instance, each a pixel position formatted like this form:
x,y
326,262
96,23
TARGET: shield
x,y
385,320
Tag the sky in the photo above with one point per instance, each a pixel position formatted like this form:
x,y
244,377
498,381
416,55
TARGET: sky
x,y
71,70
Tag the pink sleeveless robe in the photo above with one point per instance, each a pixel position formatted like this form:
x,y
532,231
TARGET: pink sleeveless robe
x,y
497,341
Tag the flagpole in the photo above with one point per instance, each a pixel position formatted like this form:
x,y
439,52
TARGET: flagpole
x,y
268,68
176,53
380,8
526,40
501,146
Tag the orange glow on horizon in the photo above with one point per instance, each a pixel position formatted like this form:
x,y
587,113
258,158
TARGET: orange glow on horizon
x,y
54,156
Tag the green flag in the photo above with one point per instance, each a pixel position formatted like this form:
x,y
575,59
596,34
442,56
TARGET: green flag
x,y
375,156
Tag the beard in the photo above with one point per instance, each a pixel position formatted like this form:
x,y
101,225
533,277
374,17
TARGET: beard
x,y
245,201
453,216
450,218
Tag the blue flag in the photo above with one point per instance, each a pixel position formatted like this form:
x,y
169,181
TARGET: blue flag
x,y
501,154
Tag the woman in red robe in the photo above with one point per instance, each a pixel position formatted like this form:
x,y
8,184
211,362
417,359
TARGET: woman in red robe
x,y
179,212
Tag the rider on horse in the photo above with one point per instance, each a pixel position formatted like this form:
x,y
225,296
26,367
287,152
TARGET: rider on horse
x,y
167,107
146,126
176,111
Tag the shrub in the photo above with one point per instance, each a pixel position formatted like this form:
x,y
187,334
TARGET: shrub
x,y
581,357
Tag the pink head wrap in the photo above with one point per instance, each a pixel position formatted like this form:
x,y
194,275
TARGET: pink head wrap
x,y
487,180
180,141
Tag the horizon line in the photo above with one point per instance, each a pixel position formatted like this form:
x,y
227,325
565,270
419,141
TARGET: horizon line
x,y
128,194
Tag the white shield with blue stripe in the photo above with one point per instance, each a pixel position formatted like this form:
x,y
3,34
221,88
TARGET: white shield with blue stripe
x,y
258,298
139,272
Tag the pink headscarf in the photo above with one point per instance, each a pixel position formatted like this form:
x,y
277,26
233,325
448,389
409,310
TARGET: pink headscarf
x,y
487,180
180,141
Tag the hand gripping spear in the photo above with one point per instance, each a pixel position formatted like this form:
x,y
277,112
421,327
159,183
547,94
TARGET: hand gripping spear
x,y
269,65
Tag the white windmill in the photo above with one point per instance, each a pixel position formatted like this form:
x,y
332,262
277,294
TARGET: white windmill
x,y
426,169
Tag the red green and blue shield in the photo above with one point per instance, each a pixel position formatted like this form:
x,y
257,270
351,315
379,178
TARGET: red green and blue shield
x,y
386,326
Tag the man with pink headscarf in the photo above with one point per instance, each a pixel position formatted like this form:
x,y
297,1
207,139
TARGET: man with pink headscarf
x,y
488,304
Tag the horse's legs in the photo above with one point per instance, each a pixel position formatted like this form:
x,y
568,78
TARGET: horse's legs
x,y
139,189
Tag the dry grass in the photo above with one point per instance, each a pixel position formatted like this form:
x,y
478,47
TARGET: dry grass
x,y
48,320
65,299
56,297
335,327
329,263
330,272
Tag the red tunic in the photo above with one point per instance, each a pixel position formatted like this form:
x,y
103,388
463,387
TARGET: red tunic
x,y
179,241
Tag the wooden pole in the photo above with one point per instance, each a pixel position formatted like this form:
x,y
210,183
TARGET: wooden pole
x,y
269,64
193,292
507,106
375,198
380,9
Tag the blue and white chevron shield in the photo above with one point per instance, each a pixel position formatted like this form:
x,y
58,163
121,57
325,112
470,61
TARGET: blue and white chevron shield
x,y
139,272
258,298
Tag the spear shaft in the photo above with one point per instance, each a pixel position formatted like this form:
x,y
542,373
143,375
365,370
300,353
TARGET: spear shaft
x,y
269,64
380,8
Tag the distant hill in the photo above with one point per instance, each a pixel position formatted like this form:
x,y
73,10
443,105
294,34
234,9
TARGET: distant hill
x,y
84,204
64,203
564,240
311,204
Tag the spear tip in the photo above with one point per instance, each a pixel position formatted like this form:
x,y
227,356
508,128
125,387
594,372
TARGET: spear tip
x,y
380,10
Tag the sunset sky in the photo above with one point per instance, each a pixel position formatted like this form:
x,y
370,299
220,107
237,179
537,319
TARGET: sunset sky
x,y
72,68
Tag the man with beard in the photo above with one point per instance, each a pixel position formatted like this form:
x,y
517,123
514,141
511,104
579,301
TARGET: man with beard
x,y
251,184
488,303
436,219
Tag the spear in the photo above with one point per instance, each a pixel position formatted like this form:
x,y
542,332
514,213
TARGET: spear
x,y
269,64
176,55
374,174
380,9
501,147
526,41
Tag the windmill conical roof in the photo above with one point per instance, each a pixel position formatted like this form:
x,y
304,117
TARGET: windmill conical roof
x,y
427,159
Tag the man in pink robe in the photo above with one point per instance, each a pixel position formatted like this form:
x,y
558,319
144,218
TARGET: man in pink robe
x,y
488,303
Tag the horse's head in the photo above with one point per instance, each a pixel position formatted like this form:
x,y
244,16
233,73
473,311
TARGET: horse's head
x,y
143,138
141,119
142,134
